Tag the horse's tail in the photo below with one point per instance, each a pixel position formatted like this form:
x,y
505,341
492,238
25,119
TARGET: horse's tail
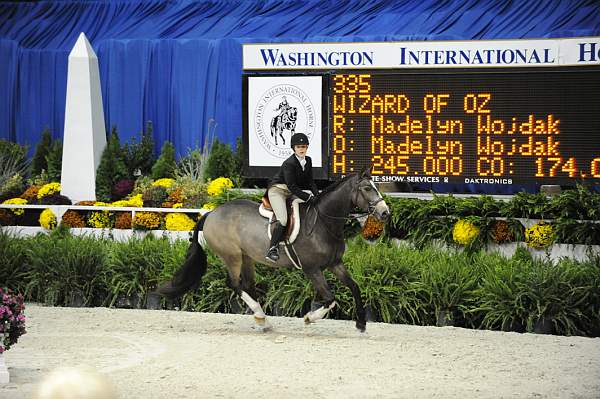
x,y
188,277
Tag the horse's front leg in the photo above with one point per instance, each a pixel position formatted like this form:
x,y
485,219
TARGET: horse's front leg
x,y
320,284
342,274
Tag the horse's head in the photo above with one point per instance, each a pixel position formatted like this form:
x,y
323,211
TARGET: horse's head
x,y
368,198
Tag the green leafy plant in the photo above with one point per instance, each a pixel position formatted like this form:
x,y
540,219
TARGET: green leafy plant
x,y
54,160
136,266
139,157
193,165
221,162
13,162
165,166
112,168
61,264
39,162
13,261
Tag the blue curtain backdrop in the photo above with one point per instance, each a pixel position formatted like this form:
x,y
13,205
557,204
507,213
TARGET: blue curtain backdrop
x,y
178,63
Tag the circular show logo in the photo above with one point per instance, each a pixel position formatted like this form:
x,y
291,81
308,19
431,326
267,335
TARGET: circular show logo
x,y
280,112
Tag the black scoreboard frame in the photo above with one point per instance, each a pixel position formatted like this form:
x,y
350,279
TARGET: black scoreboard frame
x,y
327,115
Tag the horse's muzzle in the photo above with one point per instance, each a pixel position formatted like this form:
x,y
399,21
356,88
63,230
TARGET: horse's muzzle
x,y
381,211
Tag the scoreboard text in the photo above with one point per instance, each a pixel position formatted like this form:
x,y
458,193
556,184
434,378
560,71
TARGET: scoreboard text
x,y
500,128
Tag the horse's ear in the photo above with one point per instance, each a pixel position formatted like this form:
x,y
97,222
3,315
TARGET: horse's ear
x,y
365,172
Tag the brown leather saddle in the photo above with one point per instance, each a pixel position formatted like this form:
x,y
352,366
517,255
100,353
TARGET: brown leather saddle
x,y
288,207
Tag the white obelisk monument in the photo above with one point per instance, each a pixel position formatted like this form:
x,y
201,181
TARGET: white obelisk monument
x,y
84,134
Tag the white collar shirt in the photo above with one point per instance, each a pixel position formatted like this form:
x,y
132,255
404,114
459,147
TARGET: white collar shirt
x,y
301,160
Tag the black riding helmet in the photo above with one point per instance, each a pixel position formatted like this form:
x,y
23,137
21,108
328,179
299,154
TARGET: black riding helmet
x,y
298,138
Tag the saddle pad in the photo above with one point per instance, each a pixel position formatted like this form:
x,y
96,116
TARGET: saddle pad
x,y
270,215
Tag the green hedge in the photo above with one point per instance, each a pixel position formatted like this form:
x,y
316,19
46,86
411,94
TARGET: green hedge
x,y
399,284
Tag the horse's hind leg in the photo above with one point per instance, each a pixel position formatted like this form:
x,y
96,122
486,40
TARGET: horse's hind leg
x,y
242,281
249,293
320,284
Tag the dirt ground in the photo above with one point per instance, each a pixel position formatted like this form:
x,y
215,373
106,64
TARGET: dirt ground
x,y
169,354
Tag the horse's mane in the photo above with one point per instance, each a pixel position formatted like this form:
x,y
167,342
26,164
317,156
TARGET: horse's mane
x,y
333,186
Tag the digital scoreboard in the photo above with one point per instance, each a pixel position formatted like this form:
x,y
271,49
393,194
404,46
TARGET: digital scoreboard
x,y
499,127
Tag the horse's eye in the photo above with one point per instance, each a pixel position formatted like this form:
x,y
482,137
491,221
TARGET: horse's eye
x,y
368,188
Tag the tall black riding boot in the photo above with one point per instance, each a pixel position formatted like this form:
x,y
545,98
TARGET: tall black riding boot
x,y
276,236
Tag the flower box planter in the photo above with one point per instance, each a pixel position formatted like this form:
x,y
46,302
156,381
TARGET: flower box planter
x,y
554,252
115,234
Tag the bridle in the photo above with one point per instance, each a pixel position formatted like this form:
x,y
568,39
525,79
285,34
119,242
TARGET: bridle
x,y
370,210
370,204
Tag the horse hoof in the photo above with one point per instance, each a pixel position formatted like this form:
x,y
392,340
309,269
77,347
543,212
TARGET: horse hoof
x,y
307,320
260,321
362,327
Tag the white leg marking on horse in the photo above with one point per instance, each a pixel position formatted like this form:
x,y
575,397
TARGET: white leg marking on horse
x,y
318,314
201,239
252,304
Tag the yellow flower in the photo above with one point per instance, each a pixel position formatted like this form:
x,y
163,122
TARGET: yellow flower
x,y
177,205
540,235
48,189
179,222
100,220
136,201
165,182
121,203
146,220
464,232
100,203
209,206
219,185
16,201
48,219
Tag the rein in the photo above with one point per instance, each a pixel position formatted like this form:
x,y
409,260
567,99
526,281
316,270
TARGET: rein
x,y
318,213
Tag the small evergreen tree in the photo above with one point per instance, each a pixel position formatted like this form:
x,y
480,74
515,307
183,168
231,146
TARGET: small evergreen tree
x,y
112,167
39,162
140,155
54,160
221,162
165,166
239,160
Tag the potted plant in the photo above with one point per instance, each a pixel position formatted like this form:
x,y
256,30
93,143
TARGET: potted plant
x,y
12,325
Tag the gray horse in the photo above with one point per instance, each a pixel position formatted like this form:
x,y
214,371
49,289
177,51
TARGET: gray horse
x,y
237,233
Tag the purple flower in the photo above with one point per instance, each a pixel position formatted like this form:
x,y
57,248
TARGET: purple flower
x,y
21,317
123,188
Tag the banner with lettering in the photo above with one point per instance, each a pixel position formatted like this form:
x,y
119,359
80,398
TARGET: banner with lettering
x,y
427,54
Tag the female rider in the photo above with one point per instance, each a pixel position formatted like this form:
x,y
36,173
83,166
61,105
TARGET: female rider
x,y
294,175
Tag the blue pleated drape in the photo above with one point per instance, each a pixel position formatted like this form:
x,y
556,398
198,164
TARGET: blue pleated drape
x,y
178,63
